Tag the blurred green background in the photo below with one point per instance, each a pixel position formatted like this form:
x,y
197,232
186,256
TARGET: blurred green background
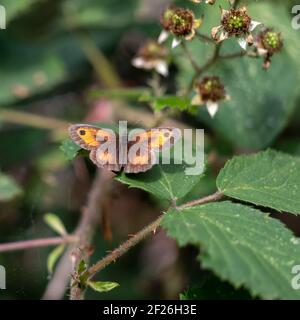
x,y
49,66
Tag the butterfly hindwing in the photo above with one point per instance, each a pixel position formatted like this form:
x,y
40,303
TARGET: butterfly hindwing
x,y
146,144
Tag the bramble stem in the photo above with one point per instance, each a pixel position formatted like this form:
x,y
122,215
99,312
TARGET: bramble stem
x,y
138,237
213,197
204,37
36,243
190,57
124,247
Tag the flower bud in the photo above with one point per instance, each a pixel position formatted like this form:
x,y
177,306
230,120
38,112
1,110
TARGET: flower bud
x,y
165,18
211,89
236,21
271,41
178,21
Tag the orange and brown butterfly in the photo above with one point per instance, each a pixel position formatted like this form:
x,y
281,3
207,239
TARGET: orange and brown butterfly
x,y
138,153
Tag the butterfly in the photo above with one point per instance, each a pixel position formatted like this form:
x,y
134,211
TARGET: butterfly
x,y
132,153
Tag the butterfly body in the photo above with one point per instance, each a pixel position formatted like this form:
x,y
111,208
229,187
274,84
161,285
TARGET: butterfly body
x,y
133,153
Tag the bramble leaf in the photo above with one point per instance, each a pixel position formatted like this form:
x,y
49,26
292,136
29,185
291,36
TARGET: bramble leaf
x,y
241,245
82,267
261,102
269,178
101,286
70,149
55,223
173,102
53,257
9,189
169,182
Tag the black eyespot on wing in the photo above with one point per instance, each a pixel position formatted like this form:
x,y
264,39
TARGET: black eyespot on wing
x,y
166,134
82,132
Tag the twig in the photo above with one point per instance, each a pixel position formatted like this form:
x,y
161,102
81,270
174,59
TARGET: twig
x,y
36,243
123,248
213,197
239,55
33,120
190,57
103,69
204,37
213,59
85,230
206,66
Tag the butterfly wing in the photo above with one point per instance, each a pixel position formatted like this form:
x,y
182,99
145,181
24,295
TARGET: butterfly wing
x,y
146,144
101,143
141,162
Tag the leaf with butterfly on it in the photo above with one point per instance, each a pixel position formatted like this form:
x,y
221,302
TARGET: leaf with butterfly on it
x,y
165,181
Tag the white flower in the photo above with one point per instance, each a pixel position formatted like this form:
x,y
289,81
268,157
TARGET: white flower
x,y
180,23
152,56
209,92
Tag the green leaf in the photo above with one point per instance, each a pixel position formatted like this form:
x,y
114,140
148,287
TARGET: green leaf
x,y
100,286
120,93
37,73
180,103
55,223
241,245
261,102
105,13
15,8
70,149
82,267
168,182
269,178
9,189
210,287
53,257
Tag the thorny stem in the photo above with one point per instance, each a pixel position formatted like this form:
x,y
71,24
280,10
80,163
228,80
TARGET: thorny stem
x,y
36,243
206,66
213,197
138,237
91,215
239,55
124,247
205,37
190,57
91,218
